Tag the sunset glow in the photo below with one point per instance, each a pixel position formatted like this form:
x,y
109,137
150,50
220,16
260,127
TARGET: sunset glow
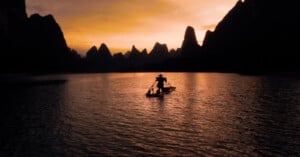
x,y
123,23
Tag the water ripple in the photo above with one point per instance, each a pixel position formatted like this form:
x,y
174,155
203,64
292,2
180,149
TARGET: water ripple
x,y
209,114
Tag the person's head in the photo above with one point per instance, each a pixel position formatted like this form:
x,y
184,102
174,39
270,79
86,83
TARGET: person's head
x,y
160,75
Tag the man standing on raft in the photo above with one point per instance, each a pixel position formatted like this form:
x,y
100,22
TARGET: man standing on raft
x,y
160,83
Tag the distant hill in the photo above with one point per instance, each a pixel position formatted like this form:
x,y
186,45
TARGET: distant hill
x,y
32,44
255,36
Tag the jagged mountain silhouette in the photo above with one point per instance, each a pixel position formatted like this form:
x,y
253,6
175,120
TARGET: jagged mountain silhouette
x,y
254,36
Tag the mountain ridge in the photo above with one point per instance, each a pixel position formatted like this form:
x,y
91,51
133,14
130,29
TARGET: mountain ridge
x,y
254,36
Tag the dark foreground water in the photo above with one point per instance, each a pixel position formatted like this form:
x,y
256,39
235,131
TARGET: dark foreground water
x,y
209,114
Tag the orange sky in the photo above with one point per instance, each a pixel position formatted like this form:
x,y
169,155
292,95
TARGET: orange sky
x,y
123,23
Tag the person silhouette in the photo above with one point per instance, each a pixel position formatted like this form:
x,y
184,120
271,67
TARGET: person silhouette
x,y
160,83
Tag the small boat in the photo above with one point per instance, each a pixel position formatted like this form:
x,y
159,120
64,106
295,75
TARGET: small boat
x,y
169,89
166,90
154,92
157,95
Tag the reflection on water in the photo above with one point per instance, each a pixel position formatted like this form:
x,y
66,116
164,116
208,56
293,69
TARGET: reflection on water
x,y
209,114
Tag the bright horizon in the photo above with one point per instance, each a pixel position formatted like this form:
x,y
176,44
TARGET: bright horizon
x,y
120,24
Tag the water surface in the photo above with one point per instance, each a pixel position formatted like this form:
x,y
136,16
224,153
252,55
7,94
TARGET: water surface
x,y
209,114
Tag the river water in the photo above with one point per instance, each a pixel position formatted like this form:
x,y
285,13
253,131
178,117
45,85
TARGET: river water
x,y
209,114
